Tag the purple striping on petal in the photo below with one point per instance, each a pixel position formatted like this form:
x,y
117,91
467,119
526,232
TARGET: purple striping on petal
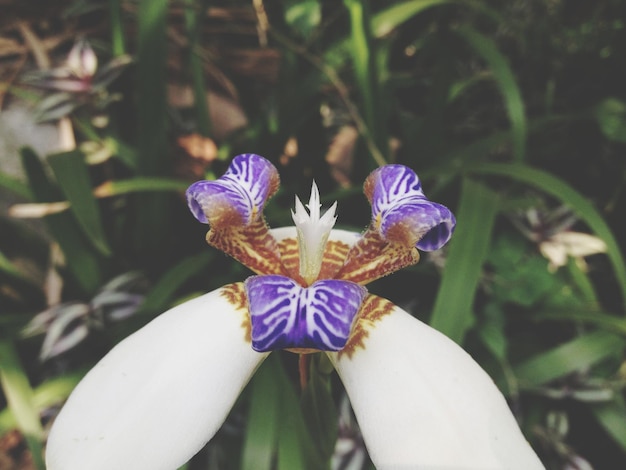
x,y
284,314
428,222
199,195
399,204
437,236
249,181
393,184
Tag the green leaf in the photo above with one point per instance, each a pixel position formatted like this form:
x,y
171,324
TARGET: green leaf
x,y
453,310
9,268
79,253
392,17
295,448
139,185
582,282
117,28
196,71
519,277
492,331
15,186
602,320
611,418
582,207
303,16
576,355
366,75
151,228
505,79
276,435
160,296
469,155
320,412
611,116
385,21
47,394
19,396
72,175
263,420
152,112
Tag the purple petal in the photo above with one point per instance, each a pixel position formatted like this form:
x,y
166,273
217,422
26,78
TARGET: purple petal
x,y
285,315
429,223
241,192
391,184
401,211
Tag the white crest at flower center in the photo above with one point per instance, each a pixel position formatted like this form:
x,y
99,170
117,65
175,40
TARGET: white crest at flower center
x,y
313,232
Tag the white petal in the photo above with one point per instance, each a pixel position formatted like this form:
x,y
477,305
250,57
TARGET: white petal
x,y
579,244
422,402
159,395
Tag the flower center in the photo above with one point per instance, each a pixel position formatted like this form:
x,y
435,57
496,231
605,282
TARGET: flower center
x,y
313,232
312,297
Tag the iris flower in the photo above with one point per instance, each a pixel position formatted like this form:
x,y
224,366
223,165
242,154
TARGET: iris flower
x,y
421,401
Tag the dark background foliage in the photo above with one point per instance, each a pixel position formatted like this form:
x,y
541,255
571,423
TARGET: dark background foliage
x,y
513,113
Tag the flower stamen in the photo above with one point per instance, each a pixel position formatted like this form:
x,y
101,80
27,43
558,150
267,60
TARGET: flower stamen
x,y
313,232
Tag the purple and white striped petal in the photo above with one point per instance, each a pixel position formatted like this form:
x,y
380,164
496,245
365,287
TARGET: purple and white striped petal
x,y
238,197
284,314
402,213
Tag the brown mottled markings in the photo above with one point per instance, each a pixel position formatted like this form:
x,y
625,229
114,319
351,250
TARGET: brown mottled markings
x,y
372,310
290,256
235,294
252,245
334,256
373,257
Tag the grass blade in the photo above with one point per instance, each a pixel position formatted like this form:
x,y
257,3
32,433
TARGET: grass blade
x,y
390,18
277,437
160,296
564,192
320,412
262,428
580,353
193,23
81,258
19,396
8,268
151,83
72,175
295,448
138,185
364,60
15,186
452,313
601,320
117,28
151,229
611,418
45,395
505,79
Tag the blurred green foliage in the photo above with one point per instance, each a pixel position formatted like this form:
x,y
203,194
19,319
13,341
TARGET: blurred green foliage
x,y
508,110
